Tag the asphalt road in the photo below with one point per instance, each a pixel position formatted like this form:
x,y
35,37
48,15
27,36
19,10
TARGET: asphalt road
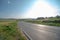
x,y
40,32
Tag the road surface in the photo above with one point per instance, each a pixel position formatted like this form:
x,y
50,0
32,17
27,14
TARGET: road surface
x,y
40,32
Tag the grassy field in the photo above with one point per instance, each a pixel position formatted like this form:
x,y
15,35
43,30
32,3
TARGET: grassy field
x,y
49,21
9,31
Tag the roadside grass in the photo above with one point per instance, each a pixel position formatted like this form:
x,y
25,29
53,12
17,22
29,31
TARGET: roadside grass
x,y
9,31
45,22
53,19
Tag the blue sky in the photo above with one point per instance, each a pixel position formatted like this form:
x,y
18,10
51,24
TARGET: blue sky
x,y
16,8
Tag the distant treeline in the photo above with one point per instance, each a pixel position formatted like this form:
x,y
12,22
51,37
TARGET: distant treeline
x,y
55,19
48,17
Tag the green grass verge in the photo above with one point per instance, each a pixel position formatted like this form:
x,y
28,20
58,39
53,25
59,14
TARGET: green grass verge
x,y
44,23
9,31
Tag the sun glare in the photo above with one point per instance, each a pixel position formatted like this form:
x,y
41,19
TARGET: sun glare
x,y
40,9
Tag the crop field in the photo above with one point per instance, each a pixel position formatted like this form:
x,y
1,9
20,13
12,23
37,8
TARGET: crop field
x,y
10,31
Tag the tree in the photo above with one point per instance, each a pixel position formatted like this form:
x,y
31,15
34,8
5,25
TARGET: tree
x,y
40,18
57,16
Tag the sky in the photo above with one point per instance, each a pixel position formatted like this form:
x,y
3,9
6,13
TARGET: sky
x,y
29,8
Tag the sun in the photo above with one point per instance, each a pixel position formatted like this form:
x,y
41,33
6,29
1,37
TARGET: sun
x,y
40,9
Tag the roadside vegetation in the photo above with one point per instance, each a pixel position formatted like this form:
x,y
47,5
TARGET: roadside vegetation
x,y
52,21
10,31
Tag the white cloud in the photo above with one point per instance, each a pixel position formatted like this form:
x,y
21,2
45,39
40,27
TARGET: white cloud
x,y
9,2
40,9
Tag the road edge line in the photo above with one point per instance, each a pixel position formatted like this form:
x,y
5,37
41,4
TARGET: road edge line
x,y
28,37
